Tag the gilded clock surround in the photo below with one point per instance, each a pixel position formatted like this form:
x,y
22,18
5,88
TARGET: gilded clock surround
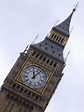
x,y
40,90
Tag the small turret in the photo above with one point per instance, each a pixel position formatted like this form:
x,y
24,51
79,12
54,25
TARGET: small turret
x,y
60,33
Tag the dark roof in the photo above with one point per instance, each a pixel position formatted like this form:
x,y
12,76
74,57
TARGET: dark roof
x,y
64,26
51,48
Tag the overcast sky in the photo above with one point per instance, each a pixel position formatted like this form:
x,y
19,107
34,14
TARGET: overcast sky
x,y
22,20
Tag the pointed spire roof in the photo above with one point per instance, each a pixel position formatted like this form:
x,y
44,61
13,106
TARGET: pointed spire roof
x,y
64,26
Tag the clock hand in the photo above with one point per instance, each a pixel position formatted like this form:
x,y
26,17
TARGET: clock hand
x,y
33,71
36,74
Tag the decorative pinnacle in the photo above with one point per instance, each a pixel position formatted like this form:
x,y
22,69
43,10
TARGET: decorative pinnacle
x,y
34,39
75,7
56,22
26,49
67,56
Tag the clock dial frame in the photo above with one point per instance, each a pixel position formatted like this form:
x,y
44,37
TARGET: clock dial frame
x,y
34,76
41,87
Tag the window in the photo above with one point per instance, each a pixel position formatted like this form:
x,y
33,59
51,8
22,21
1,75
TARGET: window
x,y
29,93
37,55
41,57
47,61
33,95
40,45
51,62
25,91
14,85
46,48
34,53
21,89
52,46
18,87
53,52
46,43
36,97
57,38
59,55
44,58
52,35
55,64
62,41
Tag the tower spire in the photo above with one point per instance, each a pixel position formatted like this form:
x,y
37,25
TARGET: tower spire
x,y
64,26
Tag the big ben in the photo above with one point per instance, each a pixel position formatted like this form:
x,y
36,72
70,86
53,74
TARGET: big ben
x,y
33,79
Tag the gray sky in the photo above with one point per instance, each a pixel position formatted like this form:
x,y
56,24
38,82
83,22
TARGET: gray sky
x,y
22,20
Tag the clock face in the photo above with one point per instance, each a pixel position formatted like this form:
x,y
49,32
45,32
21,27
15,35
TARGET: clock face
x,y
34,77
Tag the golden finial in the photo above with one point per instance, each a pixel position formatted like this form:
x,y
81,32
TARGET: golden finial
x,y
75,7
34,39
26,49
71,29
56,22
67,56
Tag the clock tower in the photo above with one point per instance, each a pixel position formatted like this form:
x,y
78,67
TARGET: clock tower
x,y
36,74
